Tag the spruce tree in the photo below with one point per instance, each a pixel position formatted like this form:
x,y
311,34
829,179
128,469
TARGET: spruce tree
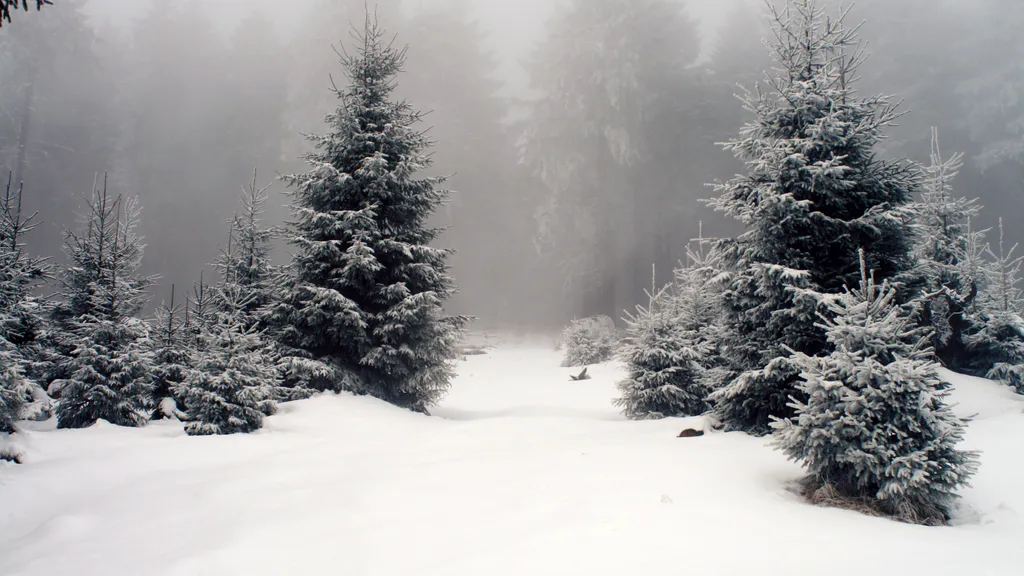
x,y
589,341
231,386
247,260
199,313
874,422
108,364
11,378
815,193
949,283
21,318
664,355
997,346
242,293
365,302
170,361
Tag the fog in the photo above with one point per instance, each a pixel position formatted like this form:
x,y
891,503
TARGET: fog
x,y
580,135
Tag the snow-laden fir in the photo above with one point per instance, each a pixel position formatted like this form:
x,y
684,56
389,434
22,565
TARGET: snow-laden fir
x,y
363,308
589,341
815,193
107,373
670,347
875,425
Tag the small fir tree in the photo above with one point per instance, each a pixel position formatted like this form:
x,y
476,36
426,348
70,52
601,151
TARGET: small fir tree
x,y
111,377
108,364
875,424
11,382
247,260
665,355
815,193
946,245
231,388
998,345
698,284
589,341
200,312
170,361
21,318
363,311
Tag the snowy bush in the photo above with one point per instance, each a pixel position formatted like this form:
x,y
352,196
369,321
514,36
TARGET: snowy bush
x,y
589,341
875,426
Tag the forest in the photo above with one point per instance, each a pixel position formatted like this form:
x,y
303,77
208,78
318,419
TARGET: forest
x,y
790,224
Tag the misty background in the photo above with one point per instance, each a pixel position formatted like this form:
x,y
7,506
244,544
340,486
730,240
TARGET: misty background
x,y
580,135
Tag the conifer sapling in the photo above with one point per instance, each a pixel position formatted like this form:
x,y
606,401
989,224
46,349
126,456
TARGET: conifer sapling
x,y
874,424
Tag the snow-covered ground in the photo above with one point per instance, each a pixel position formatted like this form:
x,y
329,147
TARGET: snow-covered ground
x,y
519,472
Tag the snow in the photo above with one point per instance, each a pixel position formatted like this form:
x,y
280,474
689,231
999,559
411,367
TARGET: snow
x,y
519,471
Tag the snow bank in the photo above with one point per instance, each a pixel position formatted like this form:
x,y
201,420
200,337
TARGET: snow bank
x,y
520,472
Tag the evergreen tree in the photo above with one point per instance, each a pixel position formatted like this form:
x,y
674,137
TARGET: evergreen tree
x,y
170,361
111,374
998,344
22,324
11,378
245,284
108,365
950,284
366,299
664,356
247,261
874,423
199,313
815,193
672,349
231,388
589,341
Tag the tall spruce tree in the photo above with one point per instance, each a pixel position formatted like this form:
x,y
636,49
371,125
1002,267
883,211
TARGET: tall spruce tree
x,y
365,302
108,364
875,423
815,193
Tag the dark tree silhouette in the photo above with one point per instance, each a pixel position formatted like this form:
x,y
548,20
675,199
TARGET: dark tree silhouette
x,y
6,6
